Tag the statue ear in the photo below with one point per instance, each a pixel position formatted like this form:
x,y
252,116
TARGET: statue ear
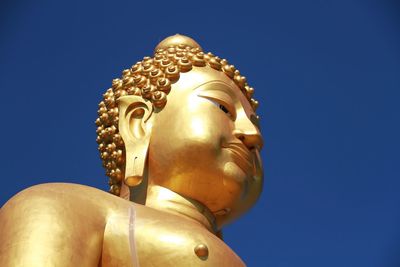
x,y
135,124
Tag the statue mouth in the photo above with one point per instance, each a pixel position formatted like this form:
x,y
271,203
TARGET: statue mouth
x,y
242,157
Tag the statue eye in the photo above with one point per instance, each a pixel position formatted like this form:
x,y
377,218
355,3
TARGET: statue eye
x,y
224,109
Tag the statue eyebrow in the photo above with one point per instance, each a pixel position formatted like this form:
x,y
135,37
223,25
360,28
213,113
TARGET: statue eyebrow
x,y
219,86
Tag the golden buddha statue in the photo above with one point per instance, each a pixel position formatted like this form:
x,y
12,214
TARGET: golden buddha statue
x,y
179,171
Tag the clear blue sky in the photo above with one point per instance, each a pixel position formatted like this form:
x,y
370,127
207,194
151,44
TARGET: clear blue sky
x,y
327,74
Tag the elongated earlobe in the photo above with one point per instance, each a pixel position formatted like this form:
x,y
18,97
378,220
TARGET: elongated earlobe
x,y
136,163
135,129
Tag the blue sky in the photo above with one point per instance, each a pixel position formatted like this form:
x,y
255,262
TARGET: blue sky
x,y
326,73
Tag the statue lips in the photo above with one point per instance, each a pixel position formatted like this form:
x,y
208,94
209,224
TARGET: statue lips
x,y
242,157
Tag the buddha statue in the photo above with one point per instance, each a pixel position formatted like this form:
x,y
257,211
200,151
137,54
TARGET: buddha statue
x,y
179,139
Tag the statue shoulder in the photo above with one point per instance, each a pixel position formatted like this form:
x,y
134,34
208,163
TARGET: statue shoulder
x,y
59,215
50,196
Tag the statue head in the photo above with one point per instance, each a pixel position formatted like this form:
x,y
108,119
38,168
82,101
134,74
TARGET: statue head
x,y
184,120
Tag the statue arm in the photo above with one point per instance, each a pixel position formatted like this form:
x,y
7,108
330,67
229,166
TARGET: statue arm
x,y
40,227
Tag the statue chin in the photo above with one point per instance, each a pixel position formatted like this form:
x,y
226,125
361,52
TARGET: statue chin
x,y
179,139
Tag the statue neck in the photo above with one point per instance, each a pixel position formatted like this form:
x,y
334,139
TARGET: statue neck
x,y
163,199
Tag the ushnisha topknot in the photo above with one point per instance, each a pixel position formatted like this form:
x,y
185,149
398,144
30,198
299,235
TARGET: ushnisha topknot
x,y
176,40
151,79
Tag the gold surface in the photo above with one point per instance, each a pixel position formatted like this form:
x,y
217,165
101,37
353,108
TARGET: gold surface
x,y
182,169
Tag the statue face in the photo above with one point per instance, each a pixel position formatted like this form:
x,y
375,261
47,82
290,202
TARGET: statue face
x,y
204,144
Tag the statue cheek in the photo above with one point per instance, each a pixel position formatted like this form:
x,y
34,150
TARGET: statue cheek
x,y
234,181
233,174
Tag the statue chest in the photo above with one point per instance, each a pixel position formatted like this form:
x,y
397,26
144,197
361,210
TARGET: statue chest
x,y
166,240
147,238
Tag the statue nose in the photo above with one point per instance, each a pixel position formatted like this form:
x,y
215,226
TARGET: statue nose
x,y
248,133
